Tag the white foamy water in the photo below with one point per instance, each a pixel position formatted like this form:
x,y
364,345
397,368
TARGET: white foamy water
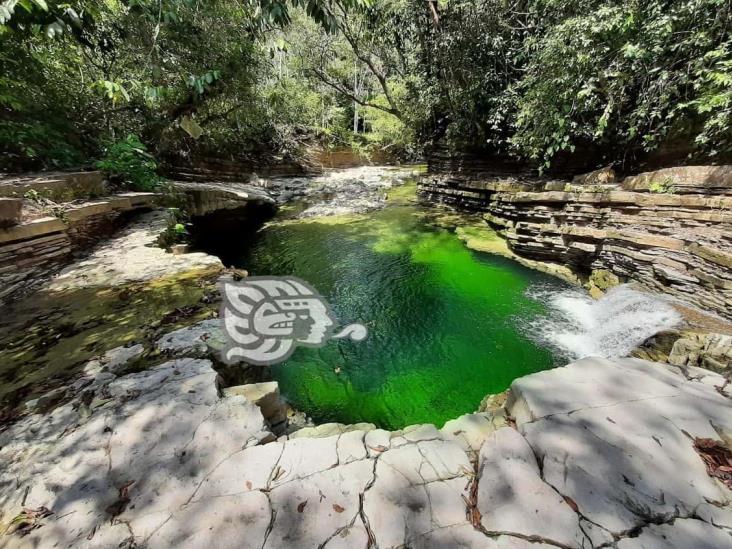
x,y
352,190
578,326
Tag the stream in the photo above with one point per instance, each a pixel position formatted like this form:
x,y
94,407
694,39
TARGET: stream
x,y
447,325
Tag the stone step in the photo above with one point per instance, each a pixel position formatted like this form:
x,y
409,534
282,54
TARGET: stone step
x,y
10,211
75,214
57,186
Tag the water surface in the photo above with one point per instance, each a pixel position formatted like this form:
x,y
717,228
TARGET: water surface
x,y
444,321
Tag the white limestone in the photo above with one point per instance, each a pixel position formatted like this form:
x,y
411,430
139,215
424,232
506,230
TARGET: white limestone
x,y
131,256
512,497
617,438
602,454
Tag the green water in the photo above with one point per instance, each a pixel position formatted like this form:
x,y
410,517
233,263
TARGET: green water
x,y
444,321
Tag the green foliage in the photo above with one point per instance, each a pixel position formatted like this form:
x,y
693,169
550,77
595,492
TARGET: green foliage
x,y
387,132
176,231
662,187
536,79
113,91
623,77
629,76
76,75
36,143
129,161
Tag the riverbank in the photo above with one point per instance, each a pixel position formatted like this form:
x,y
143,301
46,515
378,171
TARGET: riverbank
x,y
665,230
156,443
161,458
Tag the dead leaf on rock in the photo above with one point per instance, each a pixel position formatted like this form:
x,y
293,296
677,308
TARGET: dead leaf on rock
x,y
571,503
118,507
301,507
249,484
337,508
717,457
27,521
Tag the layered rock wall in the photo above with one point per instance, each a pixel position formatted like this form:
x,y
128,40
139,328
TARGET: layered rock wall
x,y
30,250
670,230
206,168
57,186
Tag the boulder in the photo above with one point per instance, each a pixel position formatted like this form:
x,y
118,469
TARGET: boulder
x,y
471,430
196,340
603,176
179,249
114,361
604,279
46,400
710,351
10,212
491,403
684,179
266,396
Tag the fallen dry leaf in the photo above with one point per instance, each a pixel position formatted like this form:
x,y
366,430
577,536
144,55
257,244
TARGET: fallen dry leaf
x,y
337,508
27,521
572,504
717,457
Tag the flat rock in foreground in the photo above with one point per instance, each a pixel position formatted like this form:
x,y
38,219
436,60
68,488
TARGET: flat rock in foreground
x,y
616,439
131,256
603,455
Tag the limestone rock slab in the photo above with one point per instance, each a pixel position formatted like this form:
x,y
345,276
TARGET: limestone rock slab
x,y
131,256
681,534
239,521
140,457
512,496
619,438
10,212
417,488
311,511
195,340
471,430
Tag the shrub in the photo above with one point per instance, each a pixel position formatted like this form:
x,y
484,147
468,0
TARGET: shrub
x,y
176,230
129,161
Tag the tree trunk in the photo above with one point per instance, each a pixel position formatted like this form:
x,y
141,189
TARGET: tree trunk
x,y
356,94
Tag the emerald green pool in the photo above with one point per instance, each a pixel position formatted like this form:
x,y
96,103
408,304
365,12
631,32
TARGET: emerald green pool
x,y
445,323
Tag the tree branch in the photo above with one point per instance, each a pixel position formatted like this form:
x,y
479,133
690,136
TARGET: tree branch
x,y
366,59
345,91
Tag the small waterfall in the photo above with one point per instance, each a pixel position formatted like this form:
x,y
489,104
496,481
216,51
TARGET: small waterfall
x,y
578,326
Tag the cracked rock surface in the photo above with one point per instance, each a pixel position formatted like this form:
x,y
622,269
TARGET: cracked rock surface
x,y
131,256
601,454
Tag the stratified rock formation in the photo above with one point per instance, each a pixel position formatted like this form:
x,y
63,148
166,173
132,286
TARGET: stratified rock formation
x,y
669,230
161,459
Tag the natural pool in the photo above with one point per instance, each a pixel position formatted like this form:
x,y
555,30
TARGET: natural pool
x,y
447,325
